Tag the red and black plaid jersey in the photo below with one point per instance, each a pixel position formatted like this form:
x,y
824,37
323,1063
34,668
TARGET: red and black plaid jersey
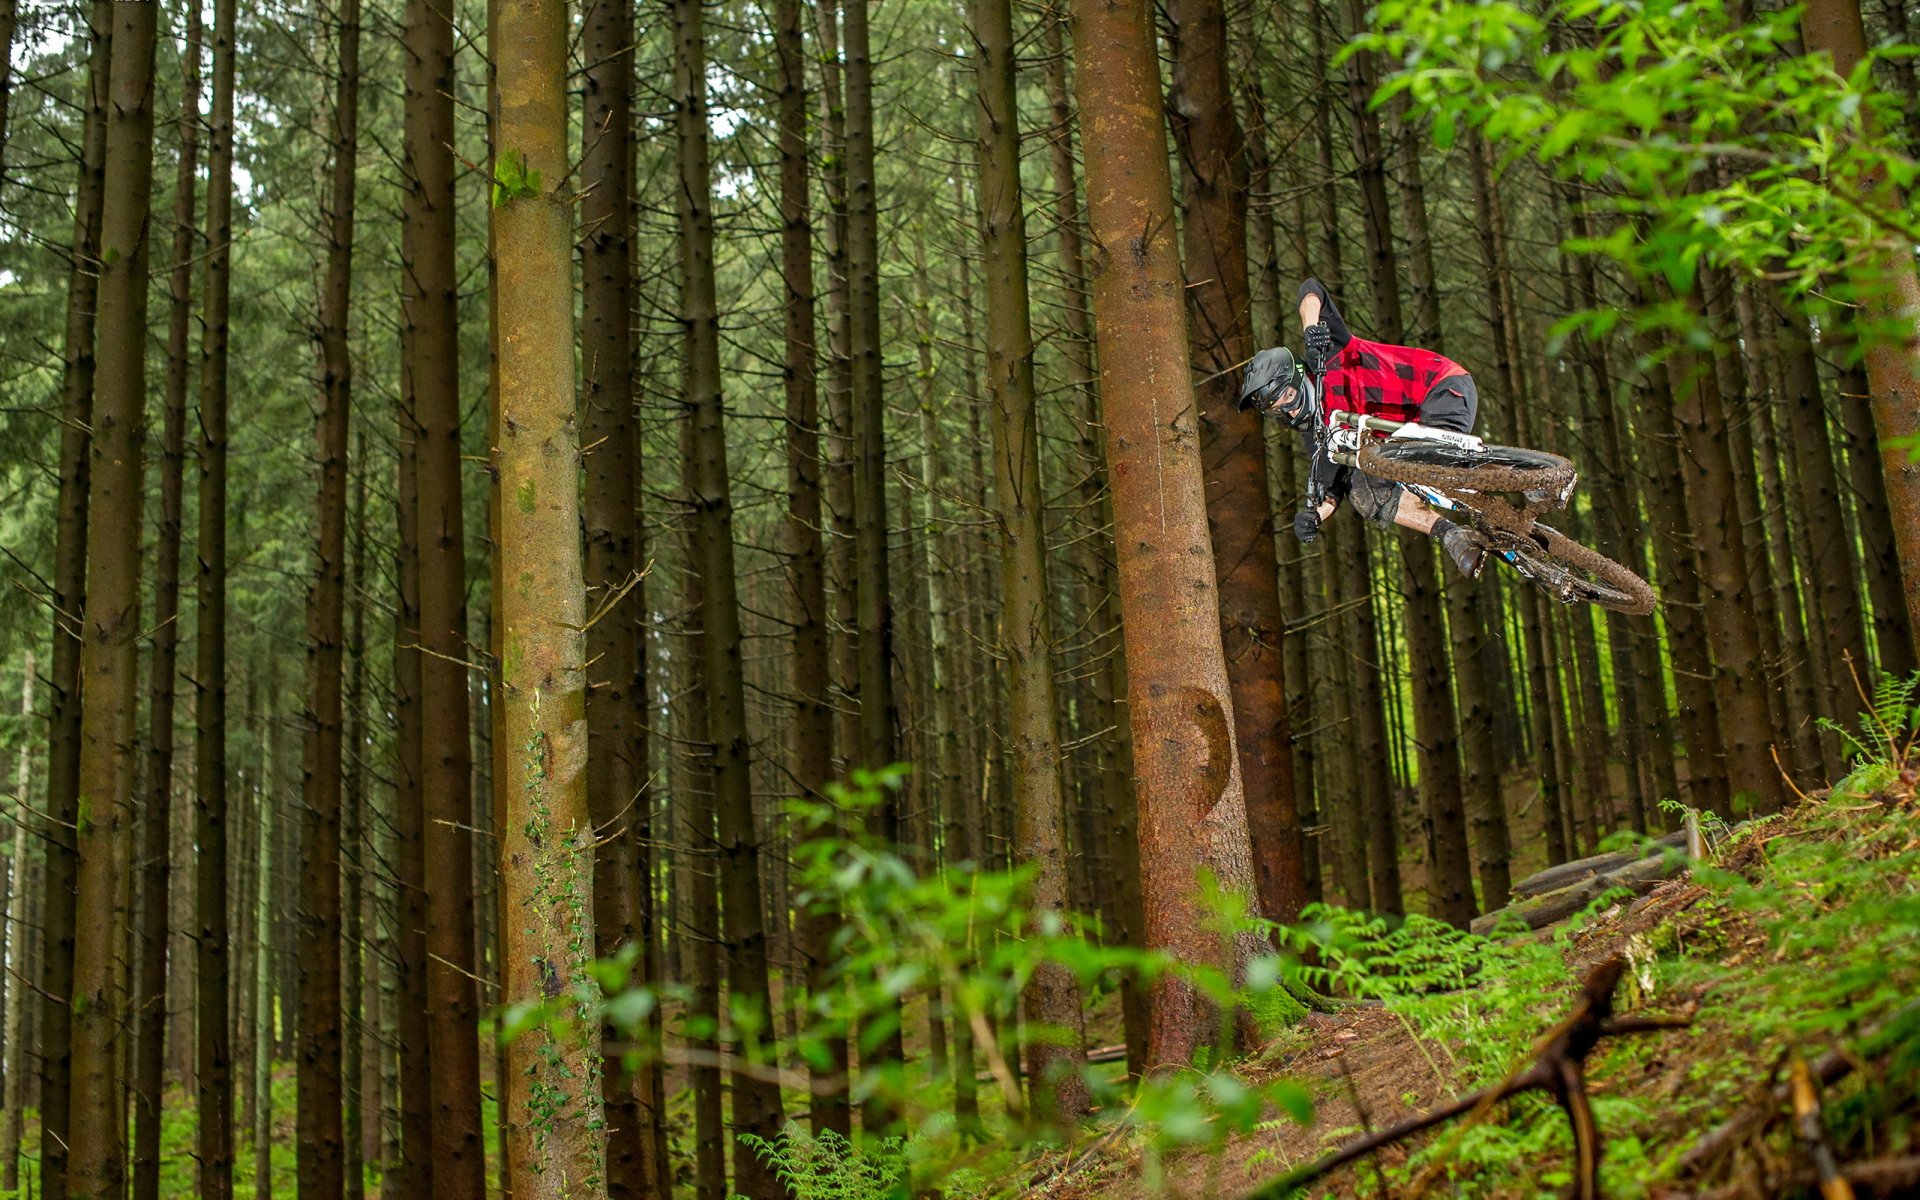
x,y
1375,378
1383,380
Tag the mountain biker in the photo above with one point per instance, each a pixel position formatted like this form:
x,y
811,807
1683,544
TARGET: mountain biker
x,y
1399,383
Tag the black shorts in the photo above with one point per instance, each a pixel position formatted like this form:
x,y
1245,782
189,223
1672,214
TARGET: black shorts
x,y
1451,403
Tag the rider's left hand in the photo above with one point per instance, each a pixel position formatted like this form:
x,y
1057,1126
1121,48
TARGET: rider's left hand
x,y
1306,525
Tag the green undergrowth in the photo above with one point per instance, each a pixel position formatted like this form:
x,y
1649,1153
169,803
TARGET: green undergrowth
x,y
1800,936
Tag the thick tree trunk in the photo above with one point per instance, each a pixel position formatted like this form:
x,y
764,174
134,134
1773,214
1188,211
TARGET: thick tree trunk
x,y
756,1101
1052,996
607,427
1239,511
109,660
321,1136
1192,810
1889,302
157,820
429,377
1107,682
554,1113
69,603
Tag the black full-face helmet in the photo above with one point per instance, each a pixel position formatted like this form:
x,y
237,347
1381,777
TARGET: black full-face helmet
x,y
1275,379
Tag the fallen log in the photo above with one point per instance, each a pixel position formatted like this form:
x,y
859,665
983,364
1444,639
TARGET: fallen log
x,y
1559,1069
1554,878
1539,911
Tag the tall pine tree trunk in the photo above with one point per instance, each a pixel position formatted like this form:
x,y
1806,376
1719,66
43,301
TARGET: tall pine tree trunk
x,y
1449,867
607,426
429,370
360,1068
1828,552
321,1148
1890,303
1192,810
756,1100
874,616
811,732
155,862
212,813
69,603
867,411
1239,511
1720,547
109,659
1108,682
1052,996
553,1113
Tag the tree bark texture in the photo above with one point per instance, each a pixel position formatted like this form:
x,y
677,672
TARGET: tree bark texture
x,y
429,378
554,1113
811,741
155,870
1052,997
1192,810
607,426
109,659
1239,511
69,603
320,1131
756,1100
878,718
1890,313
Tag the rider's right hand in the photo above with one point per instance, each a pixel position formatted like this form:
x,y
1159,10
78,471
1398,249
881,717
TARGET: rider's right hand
x,y
1306,525
1319,346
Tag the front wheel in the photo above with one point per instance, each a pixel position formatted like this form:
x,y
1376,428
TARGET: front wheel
x,y
1570,572
1488,469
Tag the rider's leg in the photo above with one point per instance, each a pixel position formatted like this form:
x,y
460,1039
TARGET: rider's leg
x,y
1411,514
1466,548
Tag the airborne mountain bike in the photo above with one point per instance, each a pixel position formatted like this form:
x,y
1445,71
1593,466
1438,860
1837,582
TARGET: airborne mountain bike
x,y
1467,478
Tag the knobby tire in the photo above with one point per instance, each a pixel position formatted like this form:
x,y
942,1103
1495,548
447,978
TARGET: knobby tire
x,y
1501,469
1605,583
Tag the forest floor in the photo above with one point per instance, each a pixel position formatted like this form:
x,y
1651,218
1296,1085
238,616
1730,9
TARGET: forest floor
x,y
1799,936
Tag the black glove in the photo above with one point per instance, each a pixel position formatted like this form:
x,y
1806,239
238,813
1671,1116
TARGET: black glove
x,y
1319,346
1306,525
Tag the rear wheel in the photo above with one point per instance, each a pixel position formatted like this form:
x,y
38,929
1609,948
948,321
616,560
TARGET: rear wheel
x,y
1488,469
1570,572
